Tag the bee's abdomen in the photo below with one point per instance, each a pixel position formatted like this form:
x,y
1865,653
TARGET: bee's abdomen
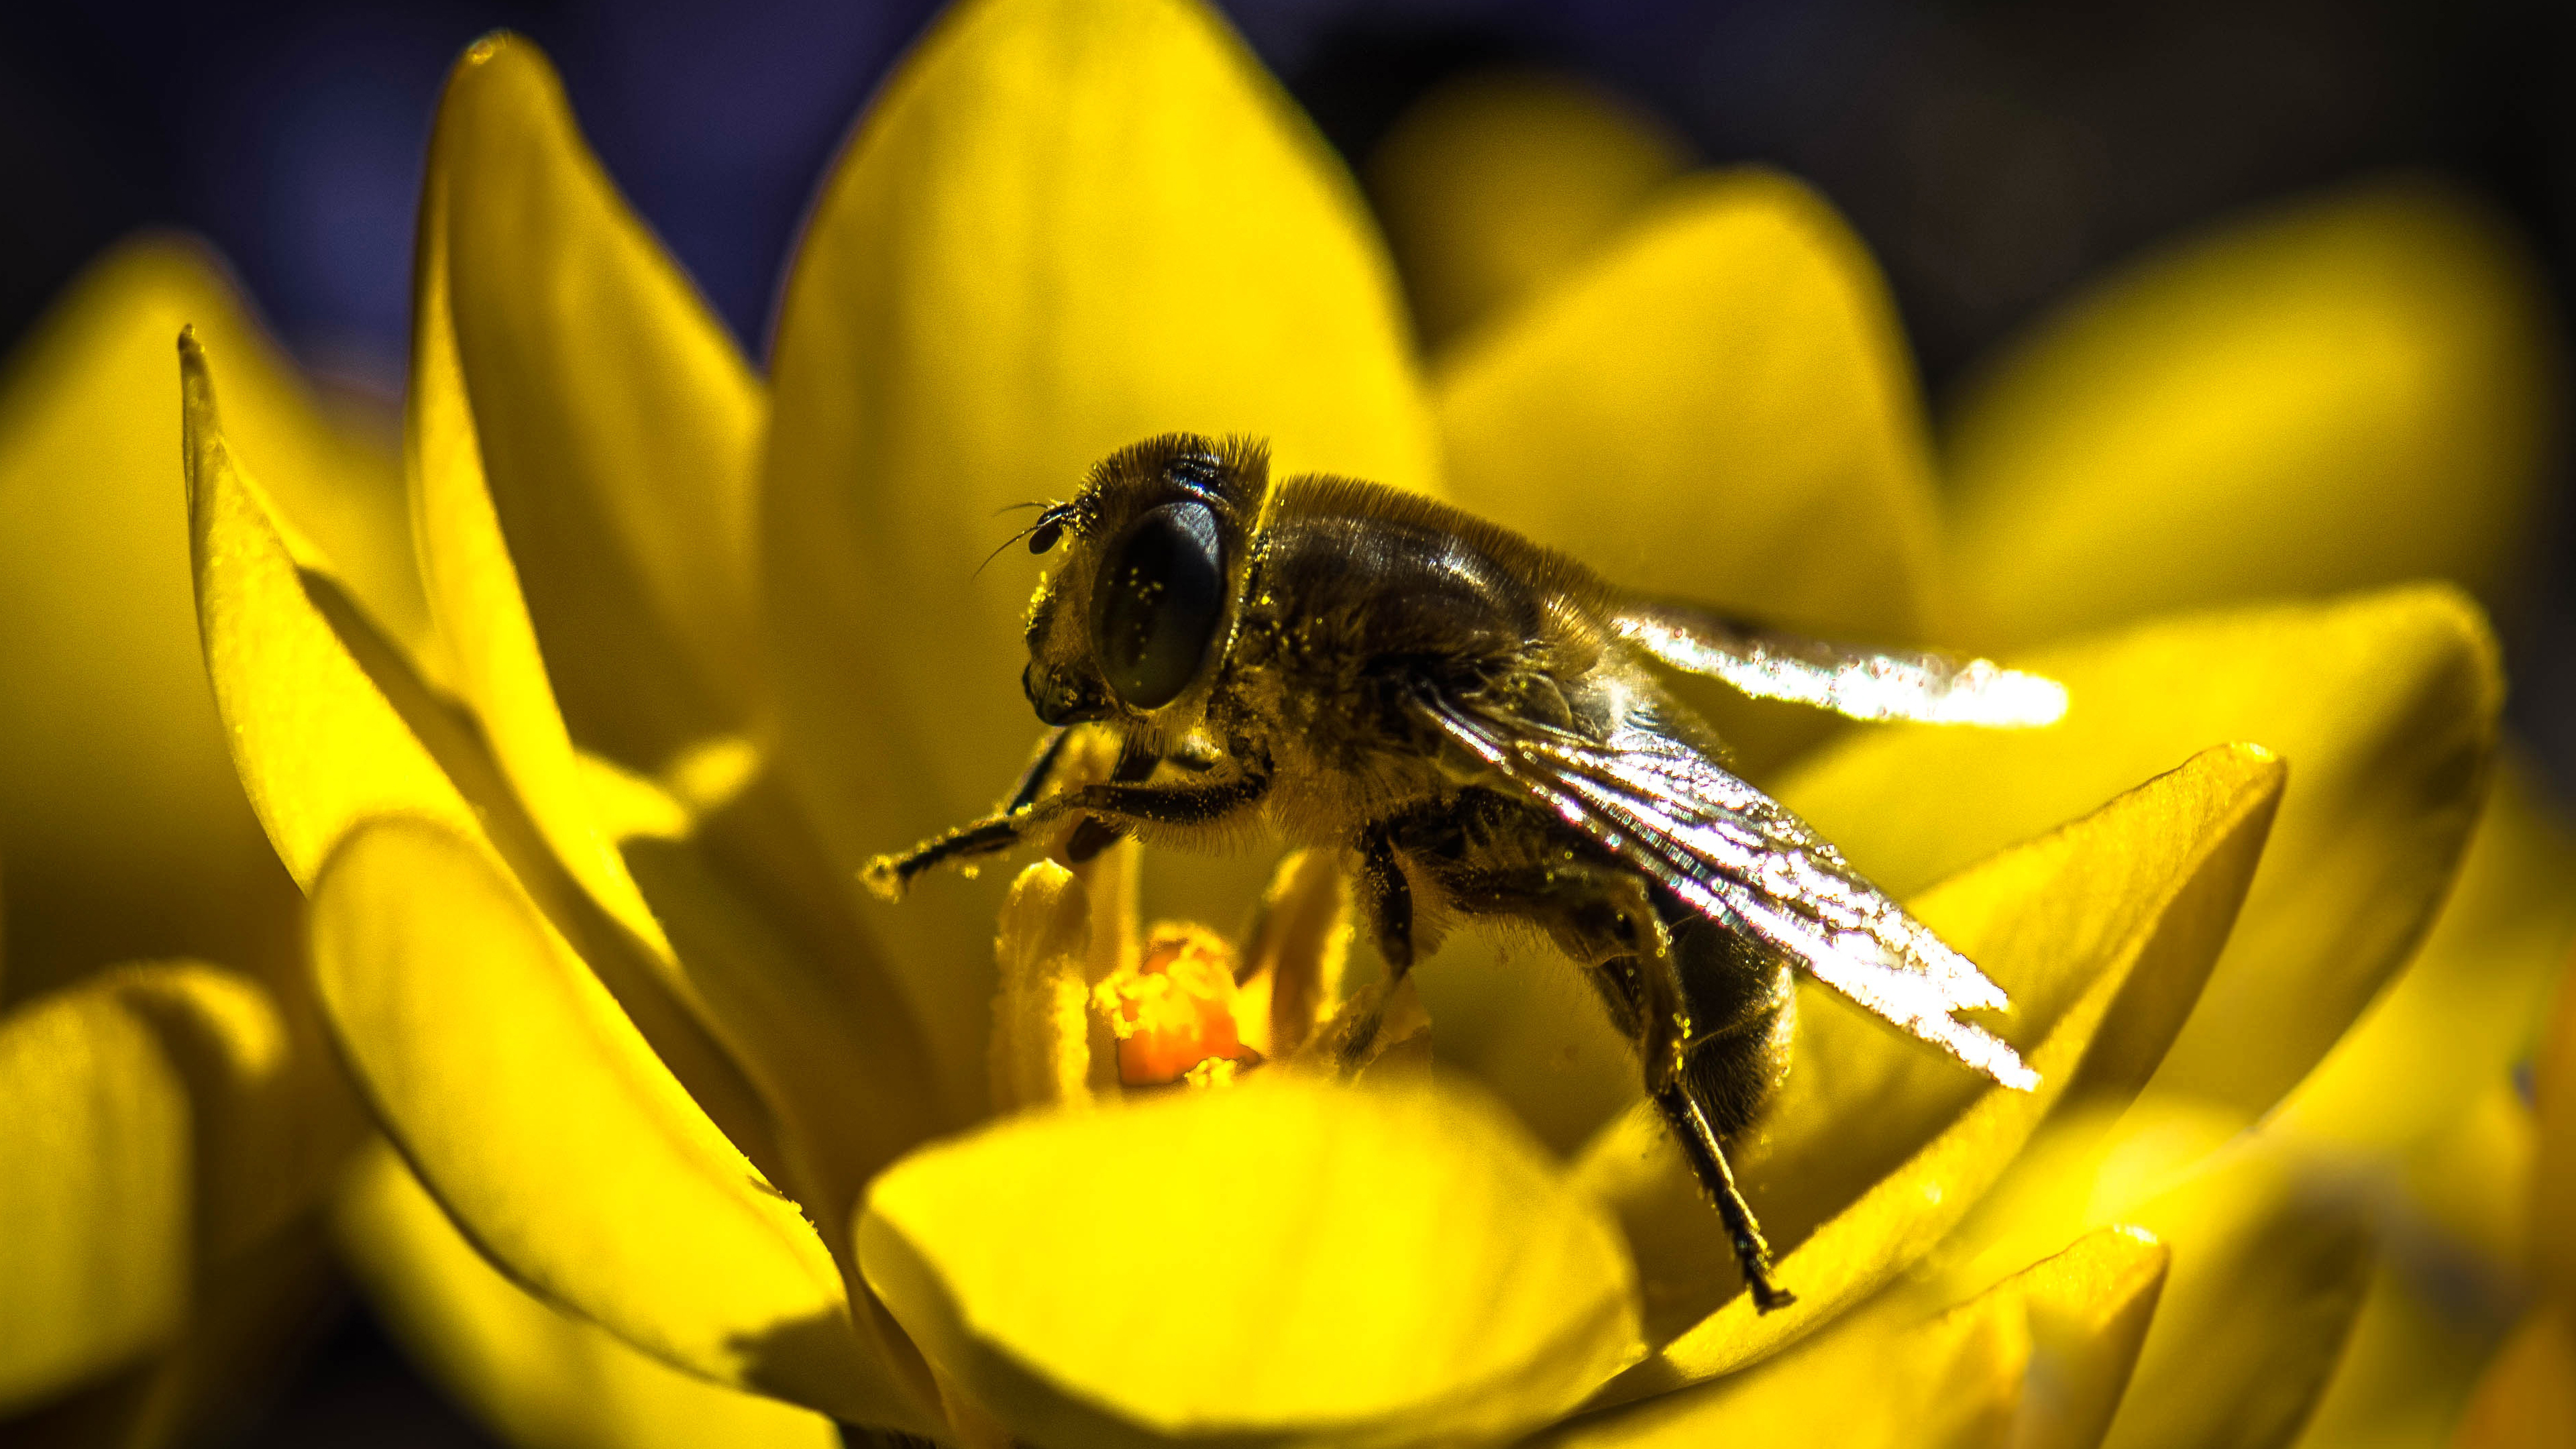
x,y
1742,1001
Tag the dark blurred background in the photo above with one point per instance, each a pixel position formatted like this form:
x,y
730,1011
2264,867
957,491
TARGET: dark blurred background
x,y
1993,155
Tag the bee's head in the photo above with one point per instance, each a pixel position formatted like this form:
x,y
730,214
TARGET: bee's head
x,y
1135,614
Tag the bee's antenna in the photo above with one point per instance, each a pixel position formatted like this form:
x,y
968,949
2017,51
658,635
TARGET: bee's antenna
x,y
1041,534
997,553
1015,507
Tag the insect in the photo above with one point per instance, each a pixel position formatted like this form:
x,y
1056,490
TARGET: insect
x,y
1471,716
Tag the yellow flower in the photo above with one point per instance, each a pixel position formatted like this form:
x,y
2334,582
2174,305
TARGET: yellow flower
x,y
2340,394
691,1143
171,1113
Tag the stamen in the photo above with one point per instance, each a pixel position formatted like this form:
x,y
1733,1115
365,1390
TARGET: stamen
x,y
1174,1013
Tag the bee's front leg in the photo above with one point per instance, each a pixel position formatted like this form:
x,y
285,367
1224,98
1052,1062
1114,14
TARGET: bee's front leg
x,y
887,876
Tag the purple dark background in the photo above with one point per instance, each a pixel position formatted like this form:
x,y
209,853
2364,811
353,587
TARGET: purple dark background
x,y
1992,154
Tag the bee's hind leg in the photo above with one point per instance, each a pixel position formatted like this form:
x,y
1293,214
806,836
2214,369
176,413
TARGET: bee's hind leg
x,y
1698,1138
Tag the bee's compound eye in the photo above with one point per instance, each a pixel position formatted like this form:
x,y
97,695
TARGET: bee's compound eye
x,y
1157,603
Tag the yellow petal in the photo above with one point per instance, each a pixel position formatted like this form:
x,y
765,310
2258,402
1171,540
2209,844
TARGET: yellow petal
x,y
2413,1357
532,1372
120,818
474,590
2528,1398
2269,1275
1277,1263
2553,1200
2039,1359
94,1266
329,728
1493,184
2347,392
1879,1146
583,435
1063,227
261,1149
1717,407
2384,706
153,1132
249,1327
607,409
2457,1019
557,1140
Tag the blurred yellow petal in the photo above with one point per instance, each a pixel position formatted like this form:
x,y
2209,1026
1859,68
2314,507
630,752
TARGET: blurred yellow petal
x,y
2268,1277
248,1327
2384,707
1878,1145
610,413
538,1376
1718,407
1063,227
2037,1361
2414,1355
2351,391
152,1132
94,1204
261,1148
2553,1200
556,1139
2457,1019
1493,184
1281,1262
2528,1398
120,817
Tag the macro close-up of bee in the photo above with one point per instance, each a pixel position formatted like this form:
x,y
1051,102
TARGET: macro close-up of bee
x,y
1471,719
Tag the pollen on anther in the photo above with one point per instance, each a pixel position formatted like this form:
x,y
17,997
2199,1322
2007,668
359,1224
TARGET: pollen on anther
x,y
1174,1014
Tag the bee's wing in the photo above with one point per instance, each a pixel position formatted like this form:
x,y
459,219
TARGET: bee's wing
x,y
1740,858
1874,684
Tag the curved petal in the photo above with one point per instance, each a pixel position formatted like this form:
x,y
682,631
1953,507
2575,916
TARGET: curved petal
x,y
154,1131
120,817
584,433
2454,1022
2039,1359
608,411
474,590
2384,706
1062,227
1877,1147
2269,1276
1280,1262
1493,184
94,1267
557,1140
2345,393
329,729
1718,407
534,1373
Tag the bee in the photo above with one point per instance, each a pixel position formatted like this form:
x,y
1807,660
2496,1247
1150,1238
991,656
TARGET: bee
x,y
1471,717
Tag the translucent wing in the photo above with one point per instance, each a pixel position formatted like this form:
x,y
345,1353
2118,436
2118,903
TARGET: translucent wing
x,y
1738,857
1876,684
